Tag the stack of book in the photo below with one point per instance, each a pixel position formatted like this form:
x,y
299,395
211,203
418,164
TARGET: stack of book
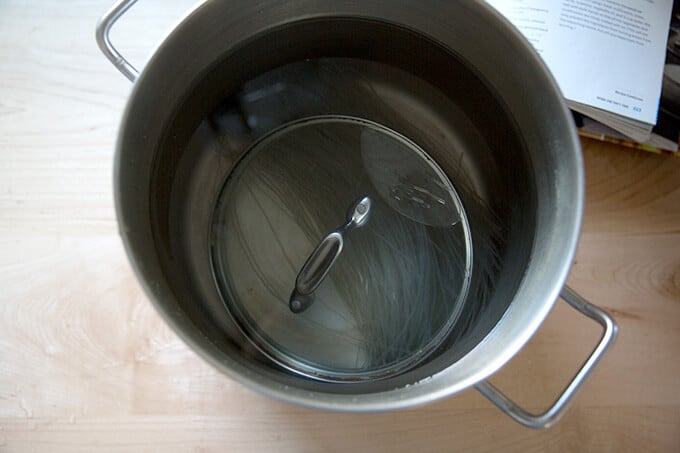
x,y
617,63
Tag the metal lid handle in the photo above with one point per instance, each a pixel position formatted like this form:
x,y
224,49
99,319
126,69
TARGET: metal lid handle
x,y
320,262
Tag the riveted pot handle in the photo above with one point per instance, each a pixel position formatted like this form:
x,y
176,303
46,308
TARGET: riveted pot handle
x,y
104,27
553,414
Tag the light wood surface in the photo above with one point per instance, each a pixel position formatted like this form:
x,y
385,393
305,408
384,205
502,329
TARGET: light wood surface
x,y
87,365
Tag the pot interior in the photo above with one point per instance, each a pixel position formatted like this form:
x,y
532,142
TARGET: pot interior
x,y
356,68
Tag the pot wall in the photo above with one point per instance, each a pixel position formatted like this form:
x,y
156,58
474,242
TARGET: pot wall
x,y
545,148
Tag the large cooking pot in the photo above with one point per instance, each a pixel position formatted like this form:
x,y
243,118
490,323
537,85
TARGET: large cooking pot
x,y
279,161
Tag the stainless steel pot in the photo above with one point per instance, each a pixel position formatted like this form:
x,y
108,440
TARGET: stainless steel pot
x,y
452,77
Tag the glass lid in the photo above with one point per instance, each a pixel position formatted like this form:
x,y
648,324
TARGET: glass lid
x,y
341,249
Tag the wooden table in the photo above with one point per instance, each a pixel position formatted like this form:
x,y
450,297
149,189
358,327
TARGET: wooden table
x,y
86,363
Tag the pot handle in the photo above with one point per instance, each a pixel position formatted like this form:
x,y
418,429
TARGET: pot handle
x,y
553,414
102,33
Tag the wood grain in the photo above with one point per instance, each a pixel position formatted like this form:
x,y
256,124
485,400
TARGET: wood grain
x,y
86,364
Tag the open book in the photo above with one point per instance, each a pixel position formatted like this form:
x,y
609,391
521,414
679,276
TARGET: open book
x,y
606,55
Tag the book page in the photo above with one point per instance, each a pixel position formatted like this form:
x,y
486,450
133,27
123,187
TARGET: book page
x,y
605,53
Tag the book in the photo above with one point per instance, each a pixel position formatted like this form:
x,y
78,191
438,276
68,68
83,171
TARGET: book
x,y
607,56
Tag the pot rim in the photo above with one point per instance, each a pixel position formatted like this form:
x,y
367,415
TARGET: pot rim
x,y
491,353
